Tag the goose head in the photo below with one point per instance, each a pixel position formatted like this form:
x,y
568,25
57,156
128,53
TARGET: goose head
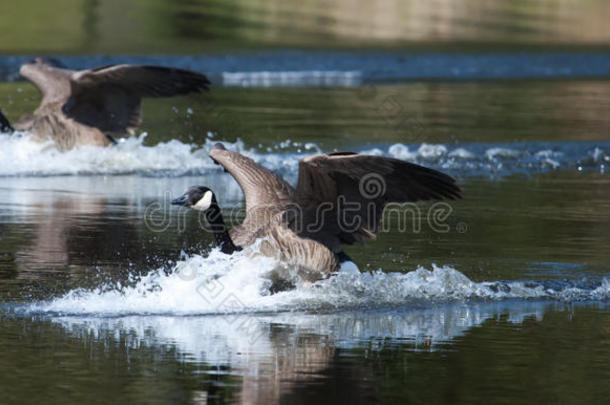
x,y
46,61
198,198
40,65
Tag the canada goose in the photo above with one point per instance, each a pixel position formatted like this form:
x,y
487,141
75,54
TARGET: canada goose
x,y
81,107
339,199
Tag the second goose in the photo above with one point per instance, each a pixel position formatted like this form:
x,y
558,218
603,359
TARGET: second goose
x,y
82,107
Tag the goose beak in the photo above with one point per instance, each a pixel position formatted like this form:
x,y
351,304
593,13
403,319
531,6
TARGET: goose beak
x,y
182,200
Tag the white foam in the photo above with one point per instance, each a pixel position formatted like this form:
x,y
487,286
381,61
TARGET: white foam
x,y
494,153
429,151
21,155
477,158
461,153
349,267
293,78
240,283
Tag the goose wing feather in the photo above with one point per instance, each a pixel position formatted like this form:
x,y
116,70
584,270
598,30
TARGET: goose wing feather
x,y
265,192
52,82
367,184
109,97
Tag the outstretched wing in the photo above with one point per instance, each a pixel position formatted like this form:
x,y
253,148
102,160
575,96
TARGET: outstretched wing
x,y
109,97
53,81
261,188
358,187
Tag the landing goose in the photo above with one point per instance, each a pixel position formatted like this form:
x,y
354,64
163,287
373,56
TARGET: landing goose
x,y
332,204
84,107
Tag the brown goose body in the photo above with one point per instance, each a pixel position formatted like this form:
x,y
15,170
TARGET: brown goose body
x,y
82,107
307,225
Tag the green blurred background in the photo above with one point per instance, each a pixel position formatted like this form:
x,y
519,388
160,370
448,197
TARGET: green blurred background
x,y
201,26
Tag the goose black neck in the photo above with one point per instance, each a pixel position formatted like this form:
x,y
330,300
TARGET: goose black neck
x,y
221,234
5,125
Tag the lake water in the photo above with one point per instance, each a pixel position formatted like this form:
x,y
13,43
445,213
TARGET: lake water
x,y
108,293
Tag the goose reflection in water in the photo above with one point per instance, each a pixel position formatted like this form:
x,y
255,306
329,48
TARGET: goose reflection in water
x,y
74,231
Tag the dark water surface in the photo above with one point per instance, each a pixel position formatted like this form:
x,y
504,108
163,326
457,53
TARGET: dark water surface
x,y
524,352
110,295
505,300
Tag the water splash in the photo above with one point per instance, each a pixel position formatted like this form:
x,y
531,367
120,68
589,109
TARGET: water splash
x,y
22,156
503,158
307,78
242,282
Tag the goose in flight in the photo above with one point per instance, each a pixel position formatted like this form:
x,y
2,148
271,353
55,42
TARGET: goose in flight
x,y
338,200
82,107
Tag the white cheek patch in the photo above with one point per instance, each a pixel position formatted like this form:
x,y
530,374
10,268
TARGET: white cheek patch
x,y
204,202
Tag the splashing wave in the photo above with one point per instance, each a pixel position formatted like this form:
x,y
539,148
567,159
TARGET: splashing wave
x,y
240,283
21,156
504,159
